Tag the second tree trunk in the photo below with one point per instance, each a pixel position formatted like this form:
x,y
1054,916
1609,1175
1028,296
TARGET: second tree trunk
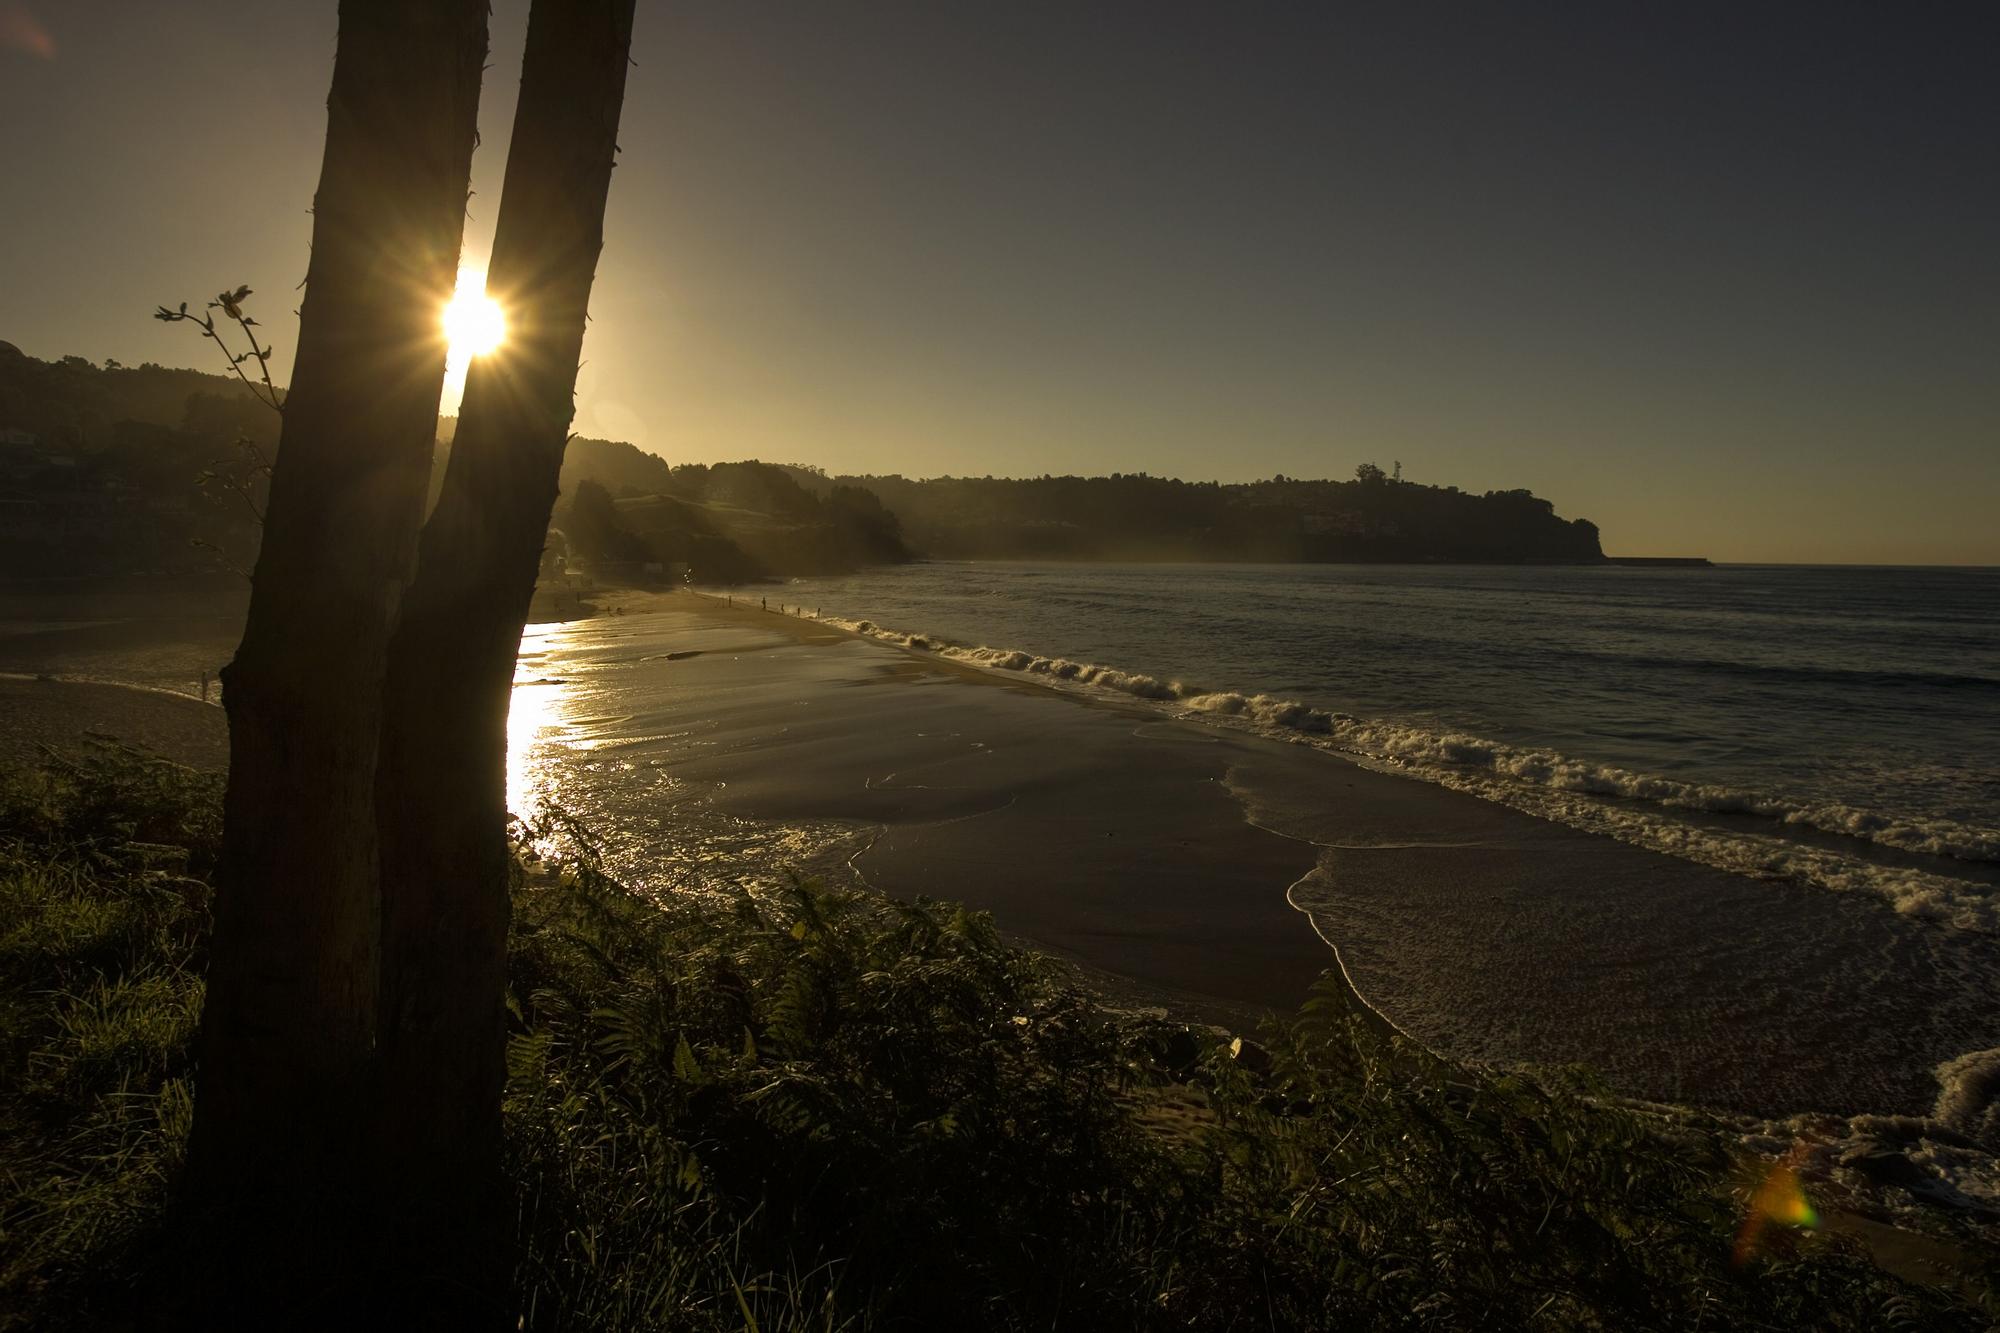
x,y
441,788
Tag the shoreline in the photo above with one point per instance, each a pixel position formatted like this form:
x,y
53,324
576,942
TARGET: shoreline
x,y
1915,1254
1173,858
1533,943
1843,1136
59,713
1177,857
894,861
1178,1004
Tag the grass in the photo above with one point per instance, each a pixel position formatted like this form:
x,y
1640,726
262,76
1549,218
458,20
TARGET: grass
x,y
824,1110
104,891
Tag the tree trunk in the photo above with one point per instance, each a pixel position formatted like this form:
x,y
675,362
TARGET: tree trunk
x,y
442,781
288,1031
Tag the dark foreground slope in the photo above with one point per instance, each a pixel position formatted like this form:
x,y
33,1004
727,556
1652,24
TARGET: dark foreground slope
x,y
829,1110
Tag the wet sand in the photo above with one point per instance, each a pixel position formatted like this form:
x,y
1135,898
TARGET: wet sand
x,y
162,633
63,716
1179,856
1200,868
121,659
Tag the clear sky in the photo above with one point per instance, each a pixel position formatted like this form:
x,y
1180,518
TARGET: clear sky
x,y
1723,278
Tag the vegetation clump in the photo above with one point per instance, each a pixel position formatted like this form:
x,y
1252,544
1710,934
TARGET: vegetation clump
x,y
817,1108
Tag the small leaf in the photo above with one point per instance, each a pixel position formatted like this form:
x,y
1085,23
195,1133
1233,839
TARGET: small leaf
x,y
684,1061
749,1320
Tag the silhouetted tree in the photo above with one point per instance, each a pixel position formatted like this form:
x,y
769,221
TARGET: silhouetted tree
x,y
591,523
441,786
289,1032
1368,474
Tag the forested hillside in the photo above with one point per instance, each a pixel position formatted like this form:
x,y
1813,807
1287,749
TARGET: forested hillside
x,y
1139,517
117,469
727,522
127,469
624,510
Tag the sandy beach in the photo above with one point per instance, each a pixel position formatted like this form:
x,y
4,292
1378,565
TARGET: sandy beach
x,y
161,633
62,715
117,658
1205,870
1218,871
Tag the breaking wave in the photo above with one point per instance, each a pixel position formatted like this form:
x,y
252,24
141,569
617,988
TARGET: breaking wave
x,y
1570,790
1969,1097
1904,1167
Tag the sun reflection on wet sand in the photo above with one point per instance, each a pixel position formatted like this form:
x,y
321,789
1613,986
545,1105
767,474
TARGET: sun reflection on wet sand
x,y
535,718
600,719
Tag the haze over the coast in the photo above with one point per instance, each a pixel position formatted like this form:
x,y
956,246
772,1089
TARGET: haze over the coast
x,y
1721,280
1093,665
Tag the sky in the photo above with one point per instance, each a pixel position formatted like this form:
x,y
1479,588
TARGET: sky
x,y
1724,279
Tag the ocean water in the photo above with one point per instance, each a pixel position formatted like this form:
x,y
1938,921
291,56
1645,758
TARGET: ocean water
x,y
1828,737
1837,726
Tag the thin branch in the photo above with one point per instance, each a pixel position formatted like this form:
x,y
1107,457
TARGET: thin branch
x,y
221,556
231,305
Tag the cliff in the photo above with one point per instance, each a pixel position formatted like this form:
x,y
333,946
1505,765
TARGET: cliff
x,y
1140,517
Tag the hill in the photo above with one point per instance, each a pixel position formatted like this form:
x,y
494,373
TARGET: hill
x,y
621,468
731,523
118,469
1134,516
113,469
125,469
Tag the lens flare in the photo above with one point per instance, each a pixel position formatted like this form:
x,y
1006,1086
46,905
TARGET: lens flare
x,y
1778,1201
474,323
22,31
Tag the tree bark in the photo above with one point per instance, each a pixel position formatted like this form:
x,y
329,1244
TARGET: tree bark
x,y
288,1031
441,787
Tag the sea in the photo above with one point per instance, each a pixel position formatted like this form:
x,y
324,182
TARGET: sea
x,y
1833,729
1832,724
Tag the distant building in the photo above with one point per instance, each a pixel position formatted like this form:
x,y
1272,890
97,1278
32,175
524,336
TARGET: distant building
x,y
1345,523
19,512
19,438
54,515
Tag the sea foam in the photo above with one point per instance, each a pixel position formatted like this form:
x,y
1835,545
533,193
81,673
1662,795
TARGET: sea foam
x,y
1632,807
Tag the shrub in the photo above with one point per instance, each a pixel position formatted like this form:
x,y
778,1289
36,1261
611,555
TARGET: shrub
x,y
810,1109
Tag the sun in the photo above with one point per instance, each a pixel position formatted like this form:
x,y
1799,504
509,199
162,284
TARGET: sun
x,y
474,323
